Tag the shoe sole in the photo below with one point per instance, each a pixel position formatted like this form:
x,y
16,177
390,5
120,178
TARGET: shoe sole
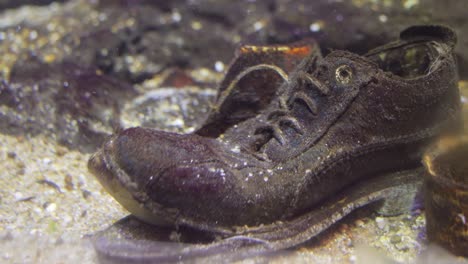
x,y
265,239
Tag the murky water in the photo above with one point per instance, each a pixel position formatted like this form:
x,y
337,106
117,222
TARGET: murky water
x,y
74,72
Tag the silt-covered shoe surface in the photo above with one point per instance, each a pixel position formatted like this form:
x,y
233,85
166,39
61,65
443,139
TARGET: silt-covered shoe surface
x,y
338,131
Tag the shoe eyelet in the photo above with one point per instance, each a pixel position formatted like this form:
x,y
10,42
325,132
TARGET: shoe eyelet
x,y
344,74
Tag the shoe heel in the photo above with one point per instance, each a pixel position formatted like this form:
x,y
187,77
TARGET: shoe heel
x,y
401,198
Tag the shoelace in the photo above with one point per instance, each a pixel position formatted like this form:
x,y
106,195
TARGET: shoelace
x,y
281,115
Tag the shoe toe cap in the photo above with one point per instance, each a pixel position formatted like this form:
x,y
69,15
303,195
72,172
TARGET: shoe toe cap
x,y
145,154
167,169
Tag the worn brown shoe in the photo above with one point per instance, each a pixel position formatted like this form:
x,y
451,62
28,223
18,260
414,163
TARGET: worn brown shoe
x,y
339,133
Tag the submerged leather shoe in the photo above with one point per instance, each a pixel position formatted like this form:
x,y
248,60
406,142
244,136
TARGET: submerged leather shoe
x,y
338,133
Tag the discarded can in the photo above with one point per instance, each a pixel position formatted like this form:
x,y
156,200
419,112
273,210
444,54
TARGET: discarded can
x,y
446,197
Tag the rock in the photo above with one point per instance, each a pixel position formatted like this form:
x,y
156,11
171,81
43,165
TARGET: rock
x,y
381,223
77,106
395,239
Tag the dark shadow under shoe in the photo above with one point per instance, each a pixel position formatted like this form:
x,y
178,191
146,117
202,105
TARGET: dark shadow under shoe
x,y
343,131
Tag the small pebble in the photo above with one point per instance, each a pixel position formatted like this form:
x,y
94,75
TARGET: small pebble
x,y
383,18
360,223
11,155
219,66
86,194
394,228
402,247
49,183
316,27
380,221
18,196
50,207
7,237
26,199
69,182
60,151
395,239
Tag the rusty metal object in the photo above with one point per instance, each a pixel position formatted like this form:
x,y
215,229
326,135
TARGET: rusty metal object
x,y
446,199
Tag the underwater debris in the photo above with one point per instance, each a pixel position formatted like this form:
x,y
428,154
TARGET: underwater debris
x,y
446,197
